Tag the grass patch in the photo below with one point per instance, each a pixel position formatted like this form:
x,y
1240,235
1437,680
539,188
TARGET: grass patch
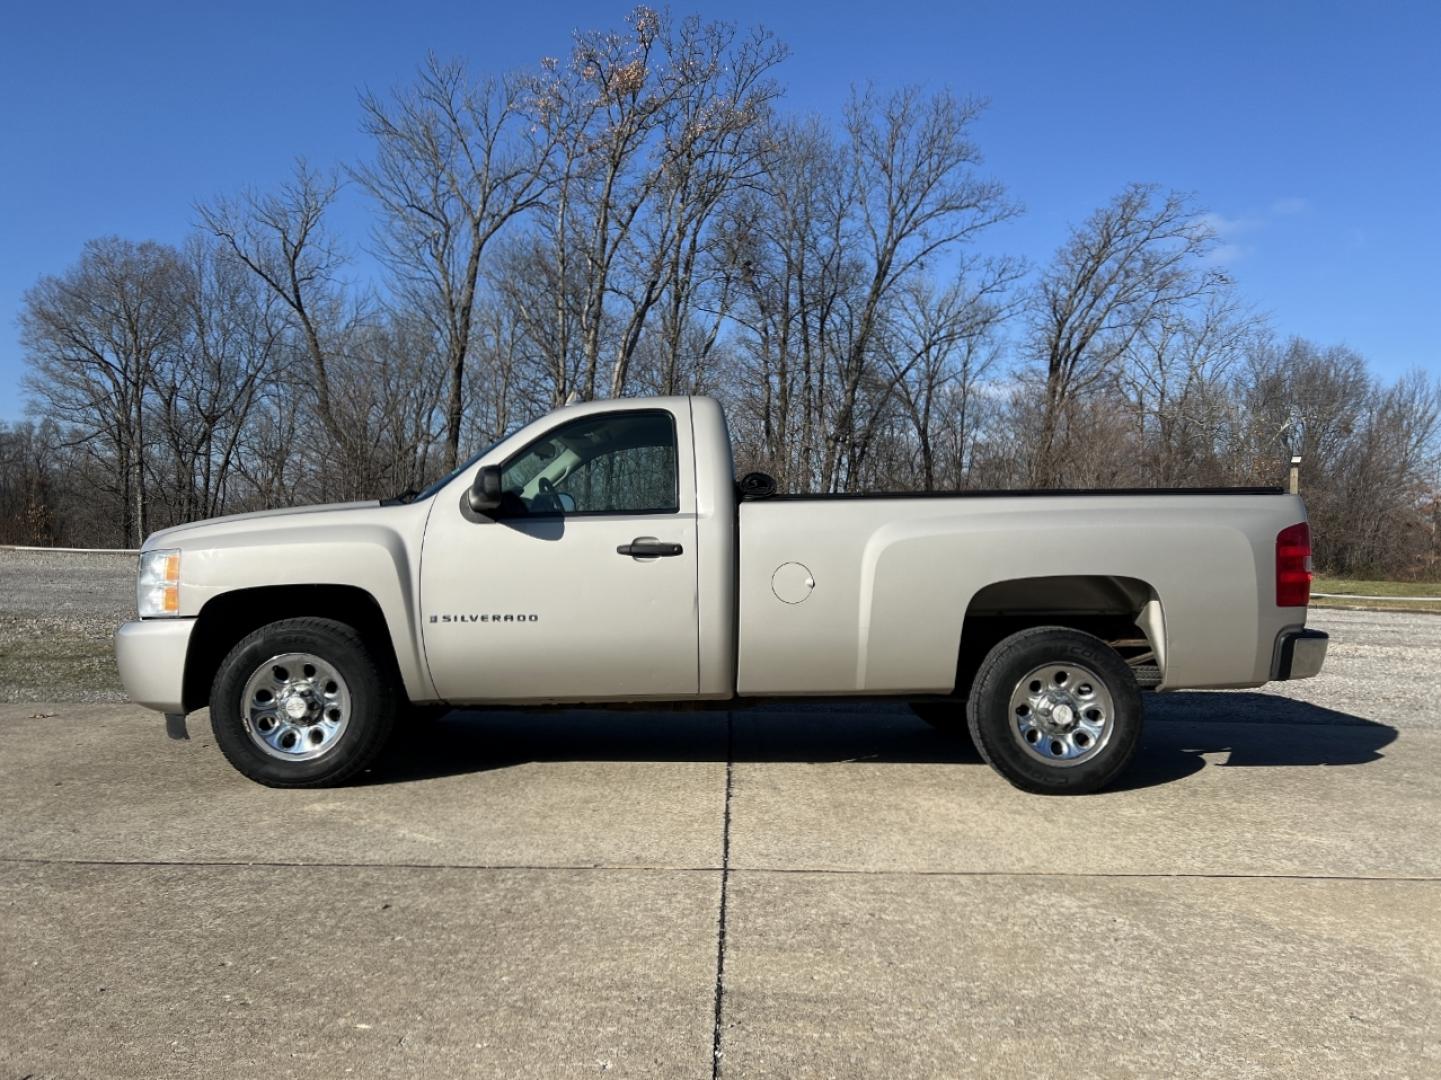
x,y
1377,588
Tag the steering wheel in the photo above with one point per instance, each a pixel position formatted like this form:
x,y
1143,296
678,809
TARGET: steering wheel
x,y
548,499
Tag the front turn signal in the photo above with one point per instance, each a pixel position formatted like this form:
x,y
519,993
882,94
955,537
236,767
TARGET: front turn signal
x,y
157,588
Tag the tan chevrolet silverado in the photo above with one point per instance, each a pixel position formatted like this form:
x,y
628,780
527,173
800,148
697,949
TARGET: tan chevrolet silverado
x,y
606,554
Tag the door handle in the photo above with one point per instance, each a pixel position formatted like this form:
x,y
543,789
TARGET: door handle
x,y
647,547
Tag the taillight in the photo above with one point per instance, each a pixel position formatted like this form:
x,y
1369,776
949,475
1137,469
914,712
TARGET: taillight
x,y
1293,566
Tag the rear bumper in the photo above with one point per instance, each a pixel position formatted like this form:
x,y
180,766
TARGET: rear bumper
x,y
1299,654
151,656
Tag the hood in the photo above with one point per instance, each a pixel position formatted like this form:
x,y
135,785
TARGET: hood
x,y
195,529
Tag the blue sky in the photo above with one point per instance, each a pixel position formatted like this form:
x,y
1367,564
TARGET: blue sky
x,y
1311,131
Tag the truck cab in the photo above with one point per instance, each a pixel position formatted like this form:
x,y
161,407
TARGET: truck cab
x,y
610,552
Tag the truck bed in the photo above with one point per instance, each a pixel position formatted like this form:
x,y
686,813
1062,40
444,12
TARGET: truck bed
x,y
894,577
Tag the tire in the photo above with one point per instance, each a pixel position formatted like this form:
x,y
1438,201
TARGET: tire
x,y
1034,721
349,695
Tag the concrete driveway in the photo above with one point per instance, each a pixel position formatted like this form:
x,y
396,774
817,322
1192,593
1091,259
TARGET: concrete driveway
x,y
817,892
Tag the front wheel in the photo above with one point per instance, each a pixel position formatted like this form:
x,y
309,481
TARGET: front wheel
x,y
1055,711
302,703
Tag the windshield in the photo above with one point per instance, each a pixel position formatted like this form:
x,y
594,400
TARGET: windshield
x,y
435,487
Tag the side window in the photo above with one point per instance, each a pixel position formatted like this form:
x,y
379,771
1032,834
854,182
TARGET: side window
x,y
616,463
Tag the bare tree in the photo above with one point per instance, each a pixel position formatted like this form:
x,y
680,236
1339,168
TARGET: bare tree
x,y
281,238
649,128
1369,452
28,484
205,392
532,295
1389,474
601,110
822,254
93,337
455,162
708,144
1176,378
786,246
946,345
918,194
1129,264
396,367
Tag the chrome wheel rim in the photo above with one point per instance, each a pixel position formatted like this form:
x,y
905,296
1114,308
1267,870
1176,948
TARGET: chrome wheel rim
x,y
295,706
1062,714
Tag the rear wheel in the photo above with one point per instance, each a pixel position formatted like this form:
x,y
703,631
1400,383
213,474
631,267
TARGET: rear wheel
x,y
1055,711
302,703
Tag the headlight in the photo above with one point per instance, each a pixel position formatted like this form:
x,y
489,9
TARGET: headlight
x,y
157,589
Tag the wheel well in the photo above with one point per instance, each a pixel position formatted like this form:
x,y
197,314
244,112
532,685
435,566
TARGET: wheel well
x,y
227,618
1124,612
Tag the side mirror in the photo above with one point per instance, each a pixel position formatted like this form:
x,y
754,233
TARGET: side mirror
x,y
484,494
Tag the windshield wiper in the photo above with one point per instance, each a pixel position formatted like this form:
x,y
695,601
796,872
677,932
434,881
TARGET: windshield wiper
x,y
408,495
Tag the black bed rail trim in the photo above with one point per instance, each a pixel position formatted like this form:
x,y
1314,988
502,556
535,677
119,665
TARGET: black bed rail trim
x,y
1014,493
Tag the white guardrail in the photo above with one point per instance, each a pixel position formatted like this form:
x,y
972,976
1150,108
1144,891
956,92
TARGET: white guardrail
x,y
73,551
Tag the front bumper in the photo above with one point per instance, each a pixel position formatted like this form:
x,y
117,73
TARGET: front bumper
x,y
1299,654
151,656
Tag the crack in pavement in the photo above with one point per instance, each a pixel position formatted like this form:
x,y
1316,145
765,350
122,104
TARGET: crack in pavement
x,y
720,962
725,870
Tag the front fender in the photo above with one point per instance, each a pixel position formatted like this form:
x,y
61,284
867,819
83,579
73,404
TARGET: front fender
x,y
377,557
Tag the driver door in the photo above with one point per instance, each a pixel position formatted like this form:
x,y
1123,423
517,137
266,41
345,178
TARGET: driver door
x,y
582,587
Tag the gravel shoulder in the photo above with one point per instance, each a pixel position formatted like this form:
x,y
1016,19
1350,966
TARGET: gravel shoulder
x,y
58,616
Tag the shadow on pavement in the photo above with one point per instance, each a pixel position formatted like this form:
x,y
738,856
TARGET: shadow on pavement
x,y
1253,729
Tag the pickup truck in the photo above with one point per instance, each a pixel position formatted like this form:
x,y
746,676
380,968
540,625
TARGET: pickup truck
x,y
606,554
